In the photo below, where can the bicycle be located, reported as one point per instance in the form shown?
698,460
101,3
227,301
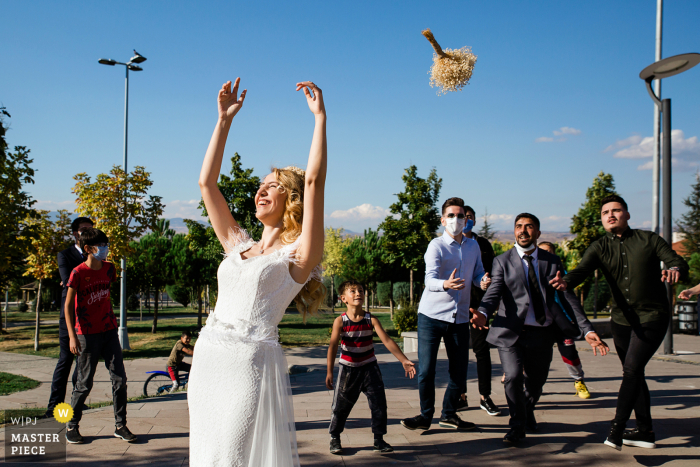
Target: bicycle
160,383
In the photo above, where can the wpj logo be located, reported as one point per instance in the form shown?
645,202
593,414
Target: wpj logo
31,440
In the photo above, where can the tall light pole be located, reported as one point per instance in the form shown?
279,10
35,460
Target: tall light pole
656,162
663,69
130,65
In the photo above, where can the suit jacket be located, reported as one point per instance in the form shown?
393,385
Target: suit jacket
487,256
68,259
508,293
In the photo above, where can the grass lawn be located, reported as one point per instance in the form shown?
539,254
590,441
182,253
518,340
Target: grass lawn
144,344
10,383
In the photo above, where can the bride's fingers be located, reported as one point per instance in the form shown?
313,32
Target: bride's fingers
308,94
235,86
242,98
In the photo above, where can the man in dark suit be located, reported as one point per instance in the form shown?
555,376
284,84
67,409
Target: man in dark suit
523,327
68,259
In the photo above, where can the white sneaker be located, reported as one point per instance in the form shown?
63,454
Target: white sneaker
174,388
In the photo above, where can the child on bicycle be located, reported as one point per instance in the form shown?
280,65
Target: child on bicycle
359,371
175,363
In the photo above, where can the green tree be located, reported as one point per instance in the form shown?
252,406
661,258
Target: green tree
119,205
689,224
413,222
50,238
205,254
486,230
239,190
586,224
333,257
362,261
15,206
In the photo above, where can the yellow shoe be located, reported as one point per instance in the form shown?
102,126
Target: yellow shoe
582,390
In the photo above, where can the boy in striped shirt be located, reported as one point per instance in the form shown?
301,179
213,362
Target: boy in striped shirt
359,371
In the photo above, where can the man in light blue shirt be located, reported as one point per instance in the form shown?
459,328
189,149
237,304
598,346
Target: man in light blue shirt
451,262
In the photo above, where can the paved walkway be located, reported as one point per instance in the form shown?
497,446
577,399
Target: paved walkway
571,429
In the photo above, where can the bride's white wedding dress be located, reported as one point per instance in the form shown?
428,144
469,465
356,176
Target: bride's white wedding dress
239,396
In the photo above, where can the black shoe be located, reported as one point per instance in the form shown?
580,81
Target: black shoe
531,423
462,404
514,436
456,423
639,439
382,446
73,436
614,439
125,434
416,423
336,447
490,408
85,407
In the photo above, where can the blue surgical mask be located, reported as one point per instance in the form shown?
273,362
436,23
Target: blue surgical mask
102,252
468,226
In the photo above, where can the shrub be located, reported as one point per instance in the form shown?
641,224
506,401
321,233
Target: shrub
23,306
132,302
406,318
401,291
179,293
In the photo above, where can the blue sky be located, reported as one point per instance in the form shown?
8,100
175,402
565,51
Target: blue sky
555,97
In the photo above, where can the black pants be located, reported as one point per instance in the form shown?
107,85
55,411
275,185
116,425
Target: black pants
482,353
532,352
103,345
62,371
635,345
351,381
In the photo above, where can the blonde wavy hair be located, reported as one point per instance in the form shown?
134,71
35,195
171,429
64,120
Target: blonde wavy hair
291,180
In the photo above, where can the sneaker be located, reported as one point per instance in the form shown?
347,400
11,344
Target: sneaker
382,446
531,422
490,408
514,436
416,423
456,423
614,439
639,439
125,434
462,404
582,390
174,388
73,436
336,447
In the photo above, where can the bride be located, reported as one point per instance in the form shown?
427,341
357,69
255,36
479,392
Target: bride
239,396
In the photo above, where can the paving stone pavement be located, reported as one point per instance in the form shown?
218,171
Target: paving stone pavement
571,429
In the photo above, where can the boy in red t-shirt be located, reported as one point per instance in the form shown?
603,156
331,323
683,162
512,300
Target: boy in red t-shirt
92,329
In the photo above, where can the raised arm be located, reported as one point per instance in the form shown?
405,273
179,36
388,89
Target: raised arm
310,251
219,214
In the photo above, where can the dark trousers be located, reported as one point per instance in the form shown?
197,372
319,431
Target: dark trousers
482,353
635,345
103,345
532,353
62,371
456,338
351,382
174,371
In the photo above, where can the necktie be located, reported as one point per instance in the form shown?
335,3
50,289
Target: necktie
535,291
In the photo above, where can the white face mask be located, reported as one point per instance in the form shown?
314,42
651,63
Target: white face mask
454,225
522,250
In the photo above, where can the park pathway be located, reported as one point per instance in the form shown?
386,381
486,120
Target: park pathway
571,429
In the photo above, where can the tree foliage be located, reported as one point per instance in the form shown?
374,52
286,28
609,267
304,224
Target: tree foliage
119,205
486,231
689,223
413,222
586,222
15,206
333,258
239,189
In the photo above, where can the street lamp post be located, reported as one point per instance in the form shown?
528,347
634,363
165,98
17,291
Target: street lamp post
130,65
658,70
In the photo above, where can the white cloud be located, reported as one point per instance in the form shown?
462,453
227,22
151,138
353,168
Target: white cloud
565,130
500,217
51,205
182,208
680,165
361,212
636,147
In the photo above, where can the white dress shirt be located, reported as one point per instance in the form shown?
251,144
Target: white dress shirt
444,255
530,319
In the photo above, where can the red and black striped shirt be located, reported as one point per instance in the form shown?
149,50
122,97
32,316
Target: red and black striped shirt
356,347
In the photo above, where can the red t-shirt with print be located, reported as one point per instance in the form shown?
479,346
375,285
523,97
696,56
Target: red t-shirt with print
93,308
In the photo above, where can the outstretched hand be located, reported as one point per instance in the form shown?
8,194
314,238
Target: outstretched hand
686,294
410,368
229,101
478,320
314,100
454,283
670,275
558,282
593,339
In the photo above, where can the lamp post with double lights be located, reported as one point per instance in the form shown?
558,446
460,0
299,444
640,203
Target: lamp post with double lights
658,70
133,66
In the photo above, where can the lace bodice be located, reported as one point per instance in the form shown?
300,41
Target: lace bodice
253,293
